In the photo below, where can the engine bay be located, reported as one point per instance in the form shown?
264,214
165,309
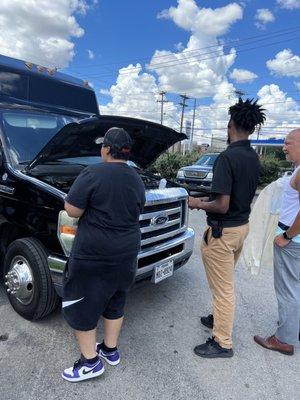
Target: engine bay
62,176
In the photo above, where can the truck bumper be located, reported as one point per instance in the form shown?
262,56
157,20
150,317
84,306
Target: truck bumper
195,185
178,249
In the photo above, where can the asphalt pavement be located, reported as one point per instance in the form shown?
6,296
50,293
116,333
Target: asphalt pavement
162,327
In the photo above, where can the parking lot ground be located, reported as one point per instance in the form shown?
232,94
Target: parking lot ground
162,327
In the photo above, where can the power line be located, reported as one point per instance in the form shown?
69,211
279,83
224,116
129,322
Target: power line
231,91
196,59
262,104
262,129
133,70
212,107
230,43
143,96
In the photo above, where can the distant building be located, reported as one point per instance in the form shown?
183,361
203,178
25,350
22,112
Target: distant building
261,145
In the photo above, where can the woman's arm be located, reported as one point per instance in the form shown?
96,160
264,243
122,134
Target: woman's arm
73,211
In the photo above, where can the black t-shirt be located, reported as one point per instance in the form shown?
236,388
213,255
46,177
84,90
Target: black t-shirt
236,173
113,196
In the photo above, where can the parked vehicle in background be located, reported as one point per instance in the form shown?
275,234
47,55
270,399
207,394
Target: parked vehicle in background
198,177
50,130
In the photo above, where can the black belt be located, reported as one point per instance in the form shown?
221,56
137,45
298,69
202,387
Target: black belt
282,226
225,224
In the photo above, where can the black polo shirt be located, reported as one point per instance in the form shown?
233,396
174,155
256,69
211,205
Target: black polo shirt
236,173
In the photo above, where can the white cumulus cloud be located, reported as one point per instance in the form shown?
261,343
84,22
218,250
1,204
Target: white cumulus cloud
199,73
212,22
285,63
91,54
243,75
40,31
179,46
192,70
135,94
262,17
289,4
283,112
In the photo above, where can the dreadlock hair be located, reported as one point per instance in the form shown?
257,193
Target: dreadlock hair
247,115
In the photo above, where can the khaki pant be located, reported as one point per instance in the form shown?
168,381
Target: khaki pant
219,258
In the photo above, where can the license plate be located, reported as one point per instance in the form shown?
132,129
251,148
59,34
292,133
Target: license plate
163,271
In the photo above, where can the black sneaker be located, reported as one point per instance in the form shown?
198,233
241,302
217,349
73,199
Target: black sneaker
212,349
208,321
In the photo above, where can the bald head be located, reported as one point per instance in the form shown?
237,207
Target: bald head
294,135
291,146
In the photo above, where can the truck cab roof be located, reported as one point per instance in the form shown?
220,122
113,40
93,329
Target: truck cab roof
27,83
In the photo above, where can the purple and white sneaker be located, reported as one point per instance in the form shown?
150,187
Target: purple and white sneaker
112,358
83,370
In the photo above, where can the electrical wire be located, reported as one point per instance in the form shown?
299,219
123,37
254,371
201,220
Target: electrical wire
228,44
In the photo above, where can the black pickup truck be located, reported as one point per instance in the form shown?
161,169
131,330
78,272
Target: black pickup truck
49,131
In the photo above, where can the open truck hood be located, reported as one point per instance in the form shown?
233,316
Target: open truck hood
77,139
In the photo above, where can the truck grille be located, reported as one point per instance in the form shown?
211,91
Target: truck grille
195,174
162,221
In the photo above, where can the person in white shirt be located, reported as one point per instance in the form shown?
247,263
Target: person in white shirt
287,258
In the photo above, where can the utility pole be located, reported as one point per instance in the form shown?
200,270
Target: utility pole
193,125
184,99
162,101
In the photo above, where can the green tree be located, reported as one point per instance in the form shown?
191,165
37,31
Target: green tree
168,164
270,170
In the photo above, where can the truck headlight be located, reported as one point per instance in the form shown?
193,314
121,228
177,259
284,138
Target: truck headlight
66,231
180,174
209,176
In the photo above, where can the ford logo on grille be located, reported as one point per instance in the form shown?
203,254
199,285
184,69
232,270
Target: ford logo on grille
160,219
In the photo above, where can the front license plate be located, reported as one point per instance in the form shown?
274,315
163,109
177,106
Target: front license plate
163,271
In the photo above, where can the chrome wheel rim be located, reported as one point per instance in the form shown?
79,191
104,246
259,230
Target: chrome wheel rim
19,280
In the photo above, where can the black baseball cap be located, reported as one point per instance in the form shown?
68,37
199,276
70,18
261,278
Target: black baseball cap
118,139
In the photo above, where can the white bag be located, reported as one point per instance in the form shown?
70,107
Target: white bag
258,246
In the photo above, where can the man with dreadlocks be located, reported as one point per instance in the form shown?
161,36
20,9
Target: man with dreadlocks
235,179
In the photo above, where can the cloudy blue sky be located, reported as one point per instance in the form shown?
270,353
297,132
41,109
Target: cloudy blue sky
131,50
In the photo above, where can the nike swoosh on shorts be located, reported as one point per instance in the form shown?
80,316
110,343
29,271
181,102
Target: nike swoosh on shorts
69,303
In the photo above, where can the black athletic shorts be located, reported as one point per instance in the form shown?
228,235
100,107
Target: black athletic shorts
92,288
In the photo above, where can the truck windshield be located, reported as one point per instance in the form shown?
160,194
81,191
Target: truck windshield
27,133
207,159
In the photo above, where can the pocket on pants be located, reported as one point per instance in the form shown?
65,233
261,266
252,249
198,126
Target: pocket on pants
206,237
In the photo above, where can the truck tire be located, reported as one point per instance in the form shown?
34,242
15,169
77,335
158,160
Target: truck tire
28,281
